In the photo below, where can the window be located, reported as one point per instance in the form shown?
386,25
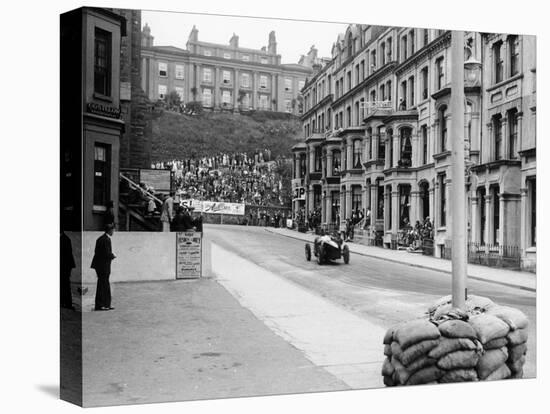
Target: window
264,102
316,196
226,97
439,73
497,134
389,203
404,205
532,188
389,49
356,198
424,144
357,73
245,80
357,151
362,70
335,198
207,52
349,80
288,105
226,76
442,200
101,174
207,75
426,35
411,91
381,144
498,63
425,83
513,133
102,62
383,92
162,91
163,69
288,84
348,116
388,89
179,71
245,100
263,60
443,129
245,58
411,37
513,47
380,207
373,60
263,82
403,101
226,55
405,159
482,214
179,91
383,54
404,50
496,214
370,144
318,158
336,162
207,97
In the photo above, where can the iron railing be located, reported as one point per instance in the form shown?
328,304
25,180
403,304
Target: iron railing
493,255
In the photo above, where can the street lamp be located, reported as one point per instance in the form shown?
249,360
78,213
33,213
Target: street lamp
472,70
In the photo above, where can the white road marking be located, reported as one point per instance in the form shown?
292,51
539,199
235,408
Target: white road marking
341,342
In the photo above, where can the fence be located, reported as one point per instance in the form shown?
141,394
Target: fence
493,255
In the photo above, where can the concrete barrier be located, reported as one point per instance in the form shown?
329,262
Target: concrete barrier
140,256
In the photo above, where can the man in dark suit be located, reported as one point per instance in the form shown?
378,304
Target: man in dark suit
103,255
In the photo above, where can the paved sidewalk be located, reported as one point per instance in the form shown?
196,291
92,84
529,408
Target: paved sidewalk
522,280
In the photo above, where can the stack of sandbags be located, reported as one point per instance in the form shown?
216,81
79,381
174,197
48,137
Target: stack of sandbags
406,348
483,342
458,351
516,338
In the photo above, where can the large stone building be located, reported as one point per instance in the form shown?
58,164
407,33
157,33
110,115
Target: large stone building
376,124
226,77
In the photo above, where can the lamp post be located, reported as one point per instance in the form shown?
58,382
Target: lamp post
458,196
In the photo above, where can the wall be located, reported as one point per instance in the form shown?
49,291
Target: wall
141,256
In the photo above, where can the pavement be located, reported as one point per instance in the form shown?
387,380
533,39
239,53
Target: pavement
505,277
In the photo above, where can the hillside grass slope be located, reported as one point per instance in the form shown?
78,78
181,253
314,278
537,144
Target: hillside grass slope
178,136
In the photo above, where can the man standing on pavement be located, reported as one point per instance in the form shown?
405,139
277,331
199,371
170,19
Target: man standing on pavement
103,255
167,212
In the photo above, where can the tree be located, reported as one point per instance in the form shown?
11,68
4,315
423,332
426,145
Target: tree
193,108
173,100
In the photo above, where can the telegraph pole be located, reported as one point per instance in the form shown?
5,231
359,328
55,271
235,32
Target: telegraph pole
458,196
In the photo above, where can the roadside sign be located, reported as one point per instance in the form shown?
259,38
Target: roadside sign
188,255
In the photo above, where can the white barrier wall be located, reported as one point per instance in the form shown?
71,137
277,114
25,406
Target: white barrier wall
140,256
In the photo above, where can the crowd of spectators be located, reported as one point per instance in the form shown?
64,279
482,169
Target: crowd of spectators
236,178
412,238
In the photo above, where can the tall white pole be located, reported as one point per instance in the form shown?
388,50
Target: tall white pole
458,196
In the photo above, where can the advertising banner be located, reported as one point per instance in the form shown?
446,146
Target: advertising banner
158,179
214,207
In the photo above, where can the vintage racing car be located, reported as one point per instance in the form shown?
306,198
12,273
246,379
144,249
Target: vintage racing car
327,248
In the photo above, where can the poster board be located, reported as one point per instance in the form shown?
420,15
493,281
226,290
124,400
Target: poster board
188,255
160,180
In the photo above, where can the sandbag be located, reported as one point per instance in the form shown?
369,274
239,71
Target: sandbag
387,368
515,318
517,374
388,381
440,302
425,375
502,372
516,352
420,363
458,359
457,329
388,337
400,375
442,310
459,375
480,302
496,343
387,350
415,351
488,327
415,331
491,361
396,350
517,365
518,336
448,345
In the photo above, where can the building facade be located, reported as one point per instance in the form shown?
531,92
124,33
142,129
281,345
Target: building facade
223,77
376,124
